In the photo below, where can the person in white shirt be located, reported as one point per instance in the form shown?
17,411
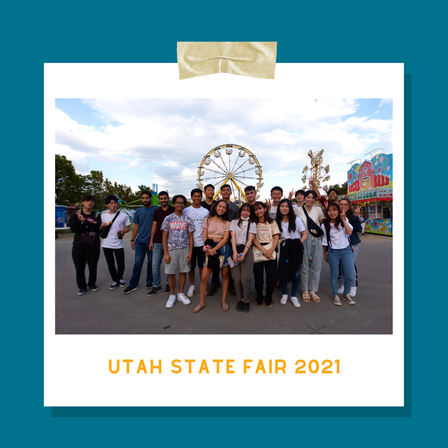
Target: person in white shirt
300,199
312,249
113,244
243,231
336,247
197,214
276,196
291,228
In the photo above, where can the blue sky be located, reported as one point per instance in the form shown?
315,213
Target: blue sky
146,141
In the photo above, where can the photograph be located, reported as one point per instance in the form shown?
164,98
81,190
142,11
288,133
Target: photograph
289,172
193,214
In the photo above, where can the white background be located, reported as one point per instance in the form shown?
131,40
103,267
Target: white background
77,367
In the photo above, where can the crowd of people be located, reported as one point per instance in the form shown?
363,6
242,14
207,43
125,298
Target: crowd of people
277,242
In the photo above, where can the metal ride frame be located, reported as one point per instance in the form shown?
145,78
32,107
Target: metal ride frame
316,172
229,172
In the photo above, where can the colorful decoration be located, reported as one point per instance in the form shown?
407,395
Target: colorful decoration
371,174
383,226
368,184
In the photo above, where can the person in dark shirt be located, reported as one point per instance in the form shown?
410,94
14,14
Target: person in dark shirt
141,235
209,192
226,192
155,243
251,195
86,243
332,194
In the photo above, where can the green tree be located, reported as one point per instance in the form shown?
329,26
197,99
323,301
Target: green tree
69,185
123,192
342,189
142,188
137,195
95,183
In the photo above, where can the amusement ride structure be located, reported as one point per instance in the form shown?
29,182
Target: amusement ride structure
316,171
230,164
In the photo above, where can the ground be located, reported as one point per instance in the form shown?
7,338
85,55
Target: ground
112,312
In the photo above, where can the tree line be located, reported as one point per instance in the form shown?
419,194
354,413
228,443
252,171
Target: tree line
342,189
70,186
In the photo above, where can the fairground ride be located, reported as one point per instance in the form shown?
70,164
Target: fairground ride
233,165
316,172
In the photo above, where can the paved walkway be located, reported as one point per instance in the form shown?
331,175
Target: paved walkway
112,312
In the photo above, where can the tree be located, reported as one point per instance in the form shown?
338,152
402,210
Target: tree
121,191
342,189
69,185
142,188
95,183
137,195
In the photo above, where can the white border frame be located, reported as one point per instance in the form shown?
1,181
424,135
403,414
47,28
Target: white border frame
76,367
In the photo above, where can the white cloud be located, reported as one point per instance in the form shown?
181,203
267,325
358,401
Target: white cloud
168,138
135,164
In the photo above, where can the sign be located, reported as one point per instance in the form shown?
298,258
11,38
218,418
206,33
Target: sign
379,194
371,175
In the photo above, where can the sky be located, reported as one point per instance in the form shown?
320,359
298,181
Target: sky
163,141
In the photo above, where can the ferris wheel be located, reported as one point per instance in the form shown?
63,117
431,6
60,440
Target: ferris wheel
230,164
